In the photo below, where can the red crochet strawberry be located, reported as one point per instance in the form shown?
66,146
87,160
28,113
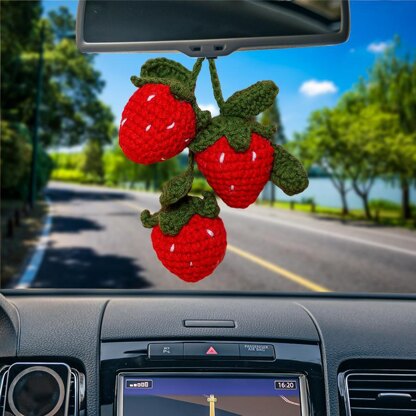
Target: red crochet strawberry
237,177
161,117
196,251
236,154
188,237
155,126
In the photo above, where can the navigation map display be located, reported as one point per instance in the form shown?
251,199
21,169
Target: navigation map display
216,395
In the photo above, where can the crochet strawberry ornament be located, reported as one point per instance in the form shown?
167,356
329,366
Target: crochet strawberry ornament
232,150
236,154
161,117
188,237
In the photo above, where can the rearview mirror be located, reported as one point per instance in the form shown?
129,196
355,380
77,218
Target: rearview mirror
209,27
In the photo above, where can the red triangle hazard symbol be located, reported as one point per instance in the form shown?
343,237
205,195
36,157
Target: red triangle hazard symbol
211,351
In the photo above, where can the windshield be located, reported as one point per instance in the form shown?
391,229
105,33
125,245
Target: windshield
71,200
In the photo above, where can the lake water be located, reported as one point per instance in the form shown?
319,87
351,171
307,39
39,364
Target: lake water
324,193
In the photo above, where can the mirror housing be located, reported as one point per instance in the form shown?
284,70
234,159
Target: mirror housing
209,28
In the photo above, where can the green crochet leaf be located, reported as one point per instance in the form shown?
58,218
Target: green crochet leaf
176,216
165,68
265,131
203,118
148,220
288,172
251,101
172,218
235,129
179,186
207,207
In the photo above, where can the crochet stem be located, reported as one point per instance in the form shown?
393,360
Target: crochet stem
191,160
216,86
195,72
179,186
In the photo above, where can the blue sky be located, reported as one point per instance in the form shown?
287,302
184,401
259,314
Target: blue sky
308,78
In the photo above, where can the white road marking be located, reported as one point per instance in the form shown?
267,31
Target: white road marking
390,235
331,234
35,262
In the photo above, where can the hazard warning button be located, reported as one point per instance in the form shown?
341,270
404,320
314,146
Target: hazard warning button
211,351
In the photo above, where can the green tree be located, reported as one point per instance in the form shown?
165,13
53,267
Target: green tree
16,153
323,144
71,84
19,28
271,117
71,111
368,134
118,169
121,171
99,133
392,85
93,166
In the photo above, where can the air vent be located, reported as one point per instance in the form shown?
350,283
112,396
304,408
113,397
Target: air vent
377,394
3,373
76,390
73,409
76,393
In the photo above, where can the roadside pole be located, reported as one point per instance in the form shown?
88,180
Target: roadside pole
35,138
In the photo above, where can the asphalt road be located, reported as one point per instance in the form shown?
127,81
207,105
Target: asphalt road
97,241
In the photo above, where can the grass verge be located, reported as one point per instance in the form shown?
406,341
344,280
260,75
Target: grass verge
386,217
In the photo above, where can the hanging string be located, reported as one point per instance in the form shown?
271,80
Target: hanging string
195,72
216,86
191,160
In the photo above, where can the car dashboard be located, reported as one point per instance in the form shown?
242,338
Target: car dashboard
202,353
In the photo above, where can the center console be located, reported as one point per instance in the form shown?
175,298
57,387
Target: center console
210,377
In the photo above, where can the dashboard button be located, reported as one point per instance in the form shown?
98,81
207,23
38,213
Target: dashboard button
257,351
165,351
211,351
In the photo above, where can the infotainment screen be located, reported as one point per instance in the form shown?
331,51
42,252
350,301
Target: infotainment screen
212,395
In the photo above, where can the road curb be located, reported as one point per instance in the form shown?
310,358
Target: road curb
35,261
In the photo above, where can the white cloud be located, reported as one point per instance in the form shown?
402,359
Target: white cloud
212,108
313,87
378,47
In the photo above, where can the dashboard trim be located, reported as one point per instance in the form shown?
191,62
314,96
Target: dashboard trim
132,293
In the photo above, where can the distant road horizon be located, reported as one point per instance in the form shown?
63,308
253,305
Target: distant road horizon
96,240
